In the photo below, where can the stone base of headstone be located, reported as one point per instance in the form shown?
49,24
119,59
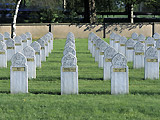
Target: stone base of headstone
3,60
19,79
106,70
69,80
151,70
31,69
119,81
100,61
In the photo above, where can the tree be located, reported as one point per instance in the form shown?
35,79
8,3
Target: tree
13,31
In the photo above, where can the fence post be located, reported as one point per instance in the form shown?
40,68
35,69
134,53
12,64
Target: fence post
153,27
50,27
104,29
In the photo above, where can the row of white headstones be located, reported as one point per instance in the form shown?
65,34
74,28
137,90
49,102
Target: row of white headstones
143,52
114,63
69,68
25,60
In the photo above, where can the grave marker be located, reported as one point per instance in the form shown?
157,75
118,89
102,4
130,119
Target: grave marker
108,55
69,75
24,40
29,38
10,48
149,42
122,44
112,38
69,50
18,44
116,42
43,53
3,55
151,64
37,47
134,36
29,53
18,74
129,49
1,37
138,56
119,75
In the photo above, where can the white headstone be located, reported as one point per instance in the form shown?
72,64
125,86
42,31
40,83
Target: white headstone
116,42
29,53
112,37
69,50
151,64
18,44
102,47
141,38
46,46
51,39
134,36
43,53
122,43
119,75
29,38
129,49
1,37
10,48
156,37
3,55
108,55
149,42
18,74
158,48
69,74
94,46
6,36
70,35
69,44
48,37
138,56
98,42
89,40
24,40
37,47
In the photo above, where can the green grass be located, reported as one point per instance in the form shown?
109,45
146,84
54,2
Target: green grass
94,102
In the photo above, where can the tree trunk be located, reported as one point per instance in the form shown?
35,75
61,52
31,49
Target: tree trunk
92,11
13,28
87,12
130,13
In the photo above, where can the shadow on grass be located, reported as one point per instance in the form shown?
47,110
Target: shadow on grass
4,78
96,92
83,78
144,93
7,92
45,92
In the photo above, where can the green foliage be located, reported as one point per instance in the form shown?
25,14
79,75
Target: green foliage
94,101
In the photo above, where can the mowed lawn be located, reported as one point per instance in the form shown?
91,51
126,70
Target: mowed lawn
94,102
